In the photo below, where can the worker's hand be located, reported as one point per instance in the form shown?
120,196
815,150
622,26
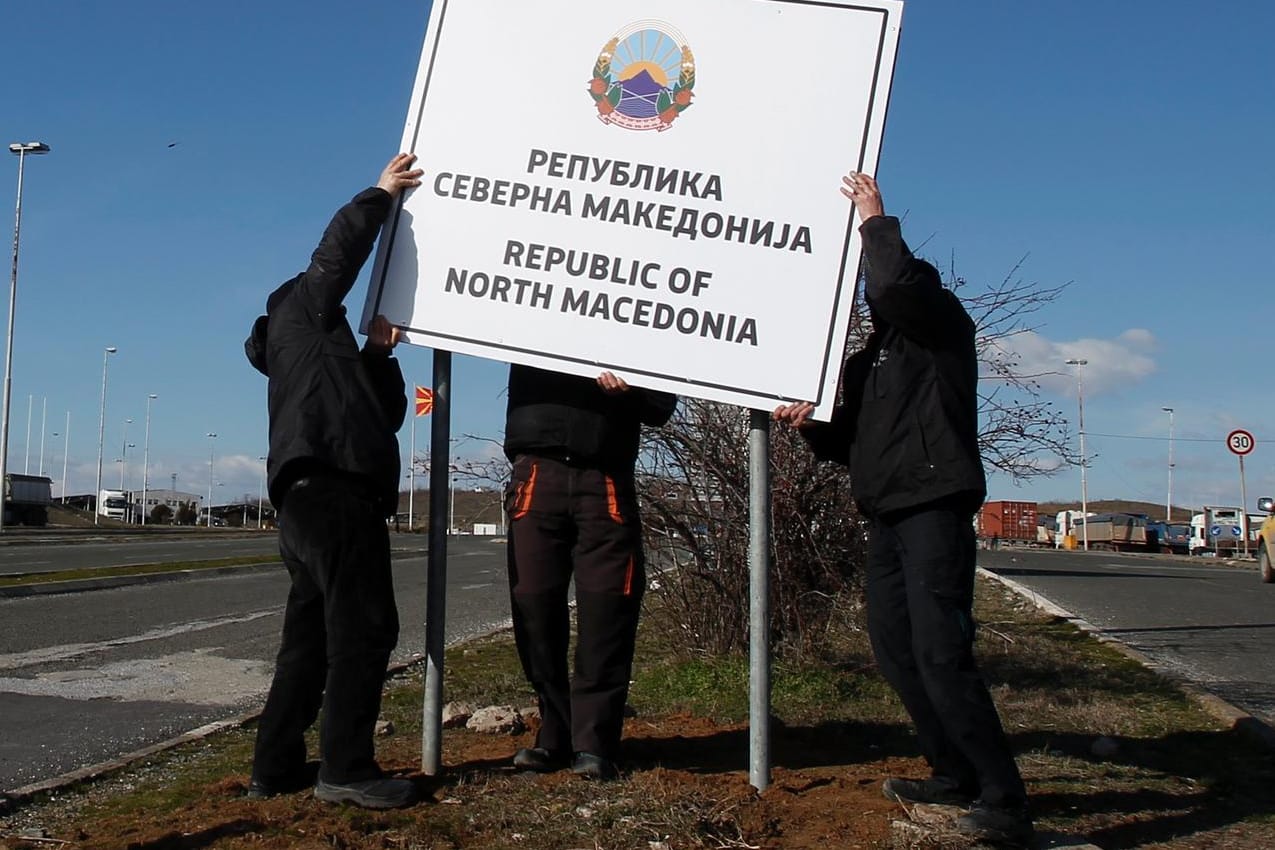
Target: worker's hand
400,175
611,385
382,336
795,415
863,191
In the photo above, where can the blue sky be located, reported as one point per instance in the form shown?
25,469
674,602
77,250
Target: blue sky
199,149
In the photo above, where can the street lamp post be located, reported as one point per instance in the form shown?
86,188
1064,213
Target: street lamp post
211,436
21,149
146,454
124,451
1084,485
44,416
1168,499
66,451
261,486
26,456
101,433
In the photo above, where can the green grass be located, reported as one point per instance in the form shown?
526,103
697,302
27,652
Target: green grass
23,579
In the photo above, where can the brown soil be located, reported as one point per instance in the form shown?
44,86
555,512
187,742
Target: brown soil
686,785
678,766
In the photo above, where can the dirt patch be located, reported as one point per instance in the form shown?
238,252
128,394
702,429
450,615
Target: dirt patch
686,785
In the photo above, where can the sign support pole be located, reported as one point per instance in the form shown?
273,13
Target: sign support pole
1244,509
759,600
411,467
436,581
1241,442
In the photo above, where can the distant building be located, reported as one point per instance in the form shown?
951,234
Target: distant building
169,498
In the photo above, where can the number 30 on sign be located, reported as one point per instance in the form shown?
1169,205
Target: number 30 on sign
1240,442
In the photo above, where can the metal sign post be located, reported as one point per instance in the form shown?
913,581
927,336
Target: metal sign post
1241,442
759,601
1244,510
436,582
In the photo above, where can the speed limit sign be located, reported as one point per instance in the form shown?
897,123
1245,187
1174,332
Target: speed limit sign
1240,442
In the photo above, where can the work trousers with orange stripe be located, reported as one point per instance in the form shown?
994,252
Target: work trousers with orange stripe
565,521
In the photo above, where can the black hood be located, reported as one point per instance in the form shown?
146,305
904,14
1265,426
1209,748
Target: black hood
255,345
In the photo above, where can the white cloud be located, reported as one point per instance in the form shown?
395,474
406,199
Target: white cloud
1113,364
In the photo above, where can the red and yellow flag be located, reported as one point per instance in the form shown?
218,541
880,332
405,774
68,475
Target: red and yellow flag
424,401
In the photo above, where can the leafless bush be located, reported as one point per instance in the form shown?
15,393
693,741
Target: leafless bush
695,489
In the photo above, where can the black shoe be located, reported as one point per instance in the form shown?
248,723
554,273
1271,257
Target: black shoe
1010,824
261,788
539,760
383,793
939,792
594,767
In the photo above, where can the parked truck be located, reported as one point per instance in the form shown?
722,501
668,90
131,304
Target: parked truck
113,504
1118,532
1007,521
1069,529
27,499
1218,531
1168,537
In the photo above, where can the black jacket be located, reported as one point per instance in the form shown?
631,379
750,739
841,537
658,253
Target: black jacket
907,423
570,418
332,407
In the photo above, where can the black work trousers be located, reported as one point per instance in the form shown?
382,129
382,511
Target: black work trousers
920,597
567,521
339,628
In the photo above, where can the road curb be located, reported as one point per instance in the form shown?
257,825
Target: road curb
19,796
80,585
1238,718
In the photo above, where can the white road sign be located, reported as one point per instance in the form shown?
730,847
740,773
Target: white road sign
646,187
1240,442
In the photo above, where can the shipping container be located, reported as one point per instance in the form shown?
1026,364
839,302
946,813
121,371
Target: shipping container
1007,520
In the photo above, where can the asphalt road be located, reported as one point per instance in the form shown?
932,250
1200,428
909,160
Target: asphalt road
1202,620
86,551
86,677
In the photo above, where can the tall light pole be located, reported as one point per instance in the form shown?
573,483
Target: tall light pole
26,454
1168,500
261,486
124,451
1084,462
66,453
21,149
211,437
146,454
101,433
44,416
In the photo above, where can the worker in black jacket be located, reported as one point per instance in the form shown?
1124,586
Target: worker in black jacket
907,426
333,478
573,508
